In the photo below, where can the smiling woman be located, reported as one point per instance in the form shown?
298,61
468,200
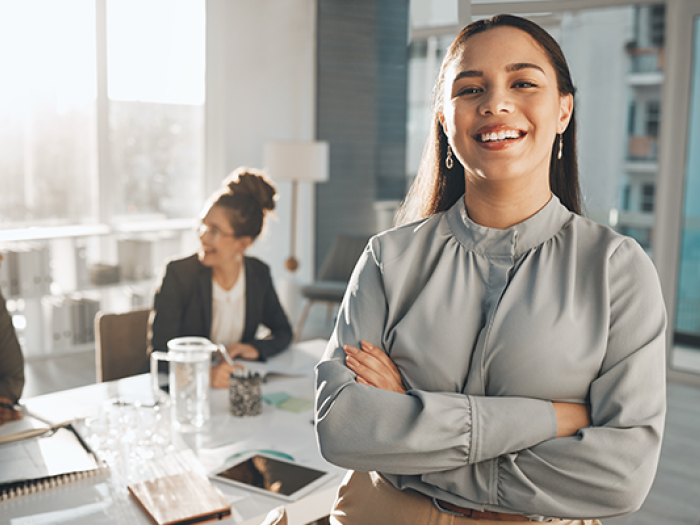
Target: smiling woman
488,96
220,293
501,358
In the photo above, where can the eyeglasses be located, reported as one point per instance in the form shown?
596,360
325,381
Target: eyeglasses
215,233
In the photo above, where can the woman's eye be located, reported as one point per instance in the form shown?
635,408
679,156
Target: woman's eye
469,90
524,84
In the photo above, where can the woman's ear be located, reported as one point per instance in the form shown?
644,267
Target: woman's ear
441,118
566,108
245,241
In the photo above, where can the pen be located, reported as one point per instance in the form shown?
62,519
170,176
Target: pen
12,406
224,354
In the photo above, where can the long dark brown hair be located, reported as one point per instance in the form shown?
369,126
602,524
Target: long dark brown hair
437,188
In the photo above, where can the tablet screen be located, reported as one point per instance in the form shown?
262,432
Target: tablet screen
274,475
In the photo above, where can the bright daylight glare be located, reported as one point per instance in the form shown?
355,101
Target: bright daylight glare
47,52
150,61
49,56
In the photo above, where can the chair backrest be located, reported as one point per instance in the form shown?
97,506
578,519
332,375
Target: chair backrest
121,342
342,257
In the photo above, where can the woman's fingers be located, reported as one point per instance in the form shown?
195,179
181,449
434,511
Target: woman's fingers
355,360
243,350
373,367
221,373
378,354
388,369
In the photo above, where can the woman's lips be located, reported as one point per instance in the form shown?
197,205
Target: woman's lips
498,137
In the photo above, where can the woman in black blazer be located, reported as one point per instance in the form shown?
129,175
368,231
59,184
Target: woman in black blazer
204,294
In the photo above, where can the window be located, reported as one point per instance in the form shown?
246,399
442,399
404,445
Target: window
657,22
49,119
418,49
155,58
47,112
647,203
632,118
653,118
626,197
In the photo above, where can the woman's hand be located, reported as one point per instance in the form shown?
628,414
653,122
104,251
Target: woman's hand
373,367
220,373
571,417
8,414
243,350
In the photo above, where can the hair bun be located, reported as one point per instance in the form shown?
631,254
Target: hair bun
248,182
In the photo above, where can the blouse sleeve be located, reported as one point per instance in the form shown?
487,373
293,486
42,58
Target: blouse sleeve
168,308
606,469
276,320
417,433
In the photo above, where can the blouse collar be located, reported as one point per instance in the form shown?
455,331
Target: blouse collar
513,241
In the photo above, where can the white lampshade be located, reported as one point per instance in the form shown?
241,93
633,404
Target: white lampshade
303,161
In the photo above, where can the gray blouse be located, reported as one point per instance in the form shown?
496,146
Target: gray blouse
488,327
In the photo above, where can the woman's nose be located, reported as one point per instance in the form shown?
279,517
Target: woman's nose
496,101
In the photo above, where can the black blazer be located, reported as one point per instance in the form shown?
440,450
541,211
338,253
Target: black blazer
182,306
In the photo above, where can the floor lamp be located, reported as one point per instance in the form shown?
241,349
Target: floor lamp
296,161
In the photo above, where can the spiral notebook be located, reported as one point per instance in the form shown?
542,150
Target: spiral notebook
56,457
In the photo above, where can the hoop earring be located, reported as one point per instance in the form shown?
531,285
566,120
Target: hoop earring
561,146
449,163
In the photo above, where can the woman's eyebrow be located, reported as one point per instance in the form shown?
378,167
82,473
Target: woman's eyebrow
523,65
468,74
518,66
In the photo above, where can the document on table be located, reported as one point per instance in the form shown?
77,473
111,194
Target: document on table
284,364
40,462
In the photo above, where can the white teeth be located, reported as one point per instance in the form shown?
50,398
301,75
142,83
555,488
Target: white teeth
501,135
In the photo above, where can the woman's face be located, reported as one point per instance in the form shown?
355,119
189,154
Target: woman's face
219,246
502,108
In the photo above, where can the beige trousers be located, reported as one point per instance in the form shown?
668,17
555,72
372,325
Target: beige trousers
365,498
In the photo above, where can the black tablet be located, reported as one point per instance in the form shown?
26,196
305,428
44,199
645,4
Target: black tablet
271,475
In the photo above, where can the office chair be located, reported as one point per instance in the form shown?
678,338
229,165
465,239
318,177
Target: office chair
121,341
333,276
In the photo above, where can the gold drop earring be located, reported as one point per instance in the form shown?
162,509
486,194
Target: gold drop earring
561,146
449,163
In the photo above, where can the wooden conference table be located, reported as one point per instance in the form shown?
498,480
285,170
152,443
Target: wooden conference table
104,499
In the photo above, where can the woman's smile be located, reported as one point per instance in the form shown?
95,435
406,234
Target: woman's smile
503,108
498,136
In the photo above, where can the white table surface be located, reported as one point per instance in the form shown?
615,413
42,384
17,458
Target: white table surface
104,499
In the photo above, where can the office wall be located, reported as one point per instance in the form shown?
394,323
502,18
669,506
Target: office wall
260,87
361,111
